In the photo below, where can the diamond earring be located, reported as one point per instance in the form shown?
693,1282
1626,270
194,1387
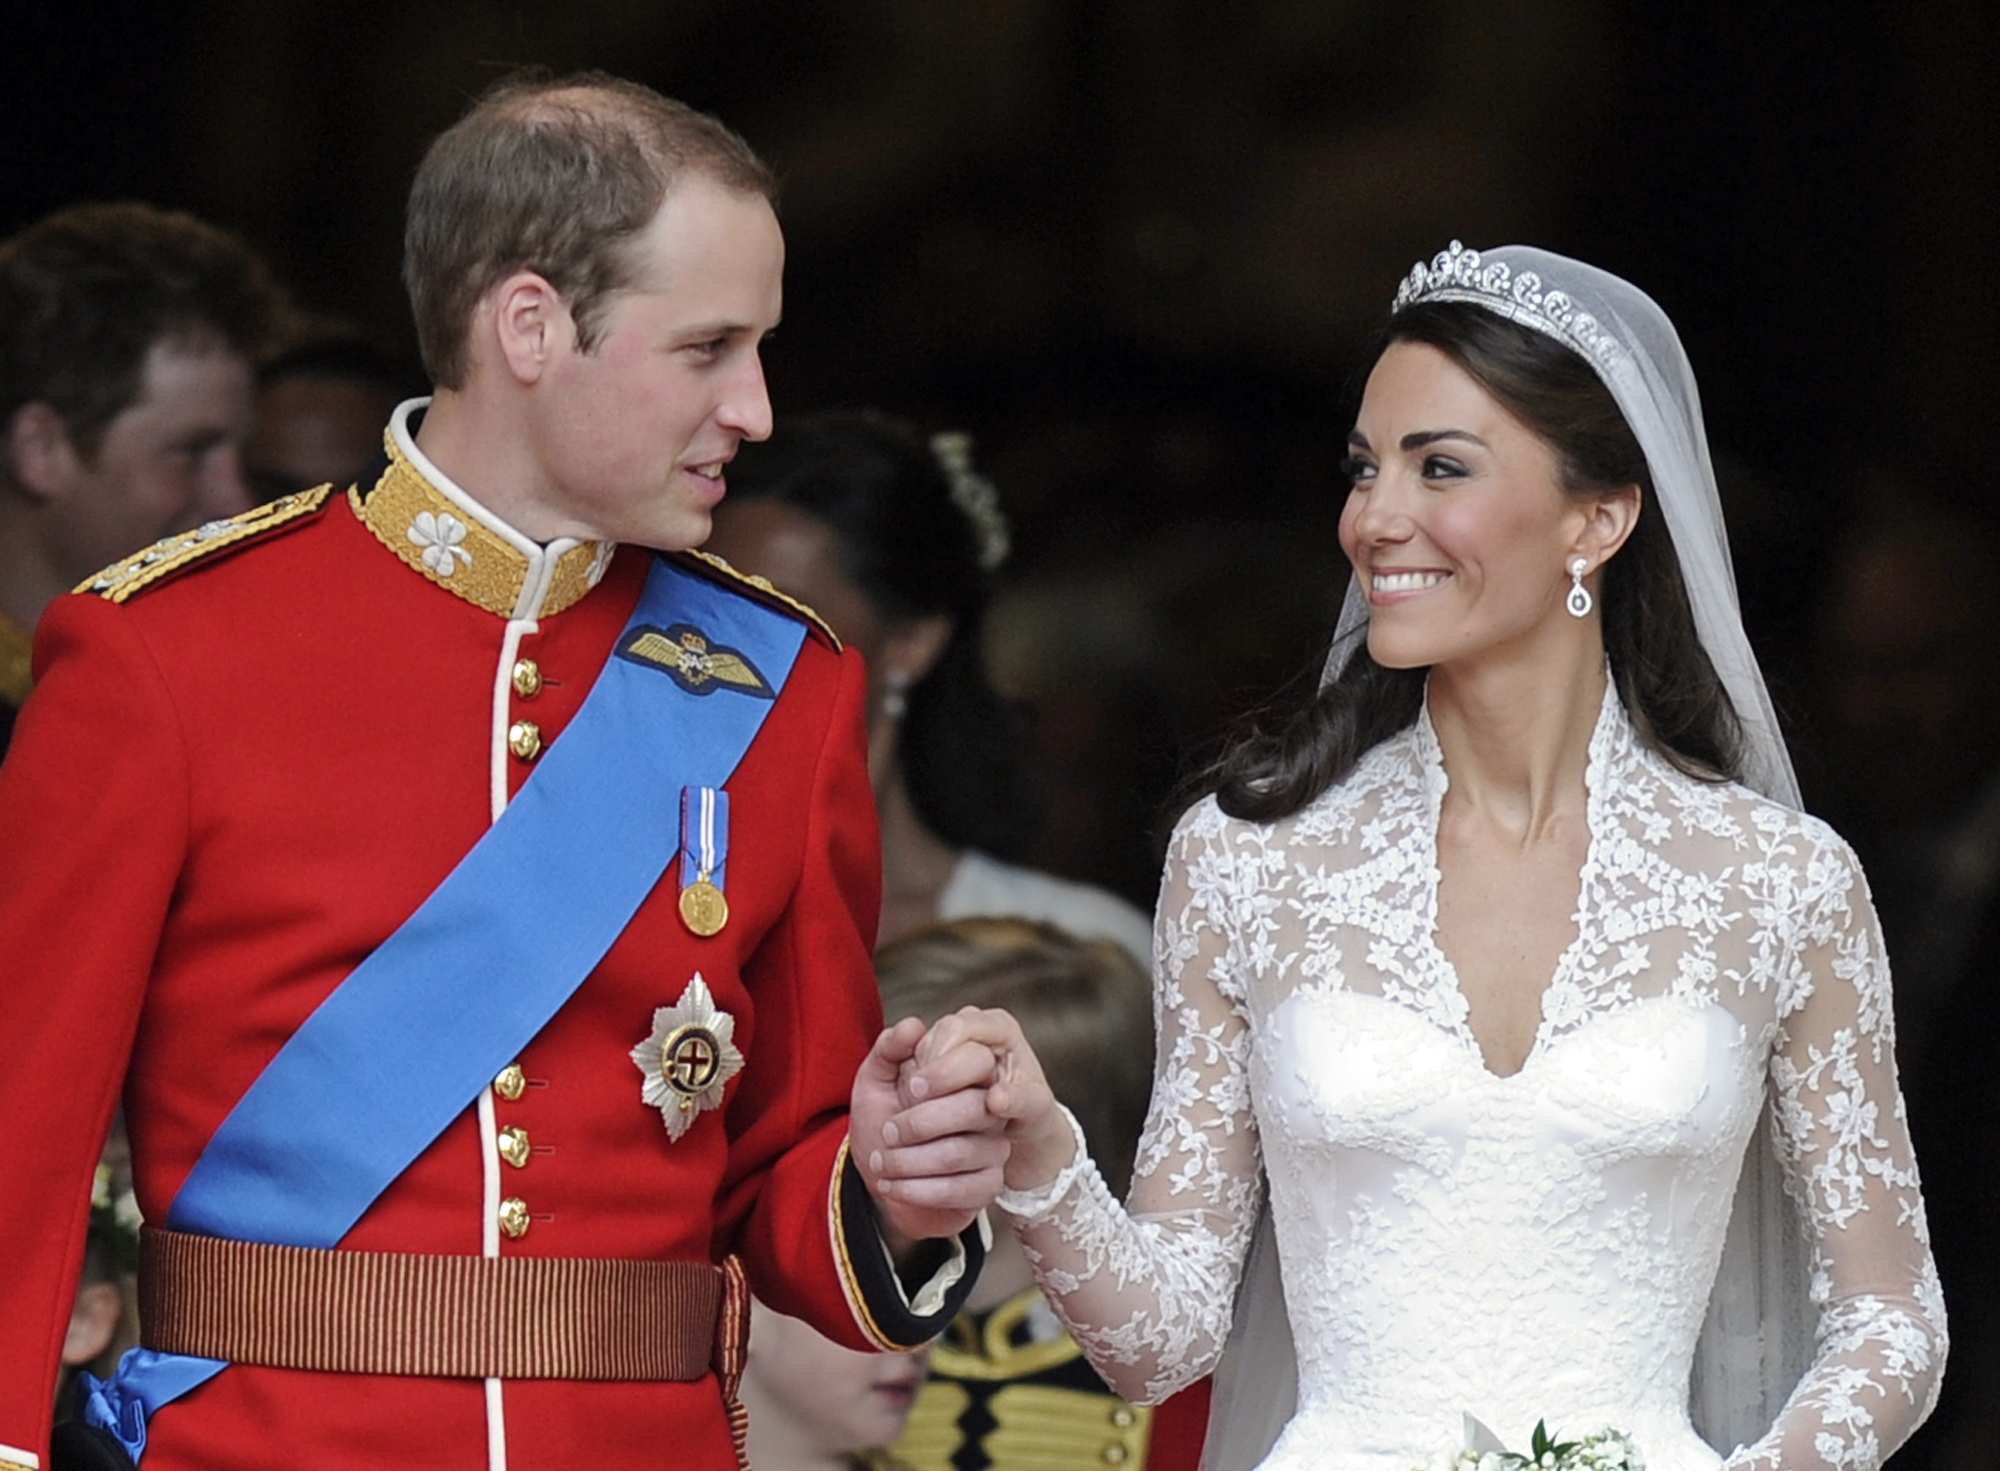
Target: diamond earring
895,699
1579,601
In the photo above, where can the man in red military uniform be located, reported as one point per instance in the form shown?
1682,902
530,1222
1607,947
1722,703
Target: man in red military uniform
262,768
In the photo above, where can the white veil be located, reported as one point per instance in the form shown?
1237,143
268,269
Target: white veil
1758,1335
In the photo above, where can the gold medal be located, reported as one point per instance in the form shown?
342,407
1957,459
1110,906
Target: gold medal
704,851
703,908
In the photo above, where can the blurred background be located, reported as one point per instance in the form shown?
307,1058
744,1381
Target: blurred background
1136,247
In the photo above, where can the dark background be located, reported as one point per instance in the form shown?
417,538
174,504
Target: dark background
1002,207
1136,247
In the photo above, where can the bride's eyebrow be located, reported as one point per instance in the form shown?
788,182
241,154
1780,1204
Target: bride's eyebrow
1422,437
1432,436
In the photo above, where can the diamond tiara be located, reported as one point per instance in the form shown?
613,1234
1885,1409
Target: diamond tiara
1458,274
974,495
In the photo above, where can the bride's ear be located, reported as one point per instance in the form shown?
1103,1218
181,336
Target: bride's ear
1607,523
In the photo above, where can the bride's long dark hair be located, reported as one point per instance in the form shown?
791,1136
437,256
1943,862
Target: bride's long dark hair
1662,673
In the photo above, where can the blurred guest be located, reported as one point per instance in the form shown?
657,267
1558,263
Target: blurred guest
893,538
127,339
321,405
100,1326
816,1406
1907,665
1010,1389
93,1321
1135,654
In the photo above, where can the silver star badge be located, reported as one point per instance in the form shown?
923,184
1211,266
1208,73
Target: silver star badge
690,1056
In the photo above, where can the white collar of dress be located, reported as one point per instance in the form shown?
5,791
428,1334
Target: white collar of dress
1614,745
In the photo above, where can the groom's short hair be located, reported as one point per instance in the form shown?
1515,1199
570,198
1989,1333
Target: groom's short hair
558,175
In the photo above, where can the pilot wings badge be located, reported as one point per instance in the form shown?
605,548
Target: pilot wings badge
698,666
689,1057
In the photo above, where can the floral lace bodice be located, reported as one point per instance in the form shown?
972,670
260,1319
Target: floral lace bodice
1540,1245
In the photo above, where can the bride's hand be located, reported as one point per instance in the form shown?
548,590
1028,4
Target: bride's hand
921,1135
1039,1137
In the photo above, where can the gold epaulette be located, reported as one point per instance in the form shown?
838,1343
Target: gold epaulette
17,669
164,558
761,589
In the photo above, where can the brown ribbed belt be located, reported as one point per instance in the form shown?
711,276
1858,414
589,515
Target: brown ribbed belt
457,1317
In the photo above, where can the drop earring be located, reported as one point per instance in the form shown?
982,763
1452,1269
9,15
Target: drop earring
1579,601
895,699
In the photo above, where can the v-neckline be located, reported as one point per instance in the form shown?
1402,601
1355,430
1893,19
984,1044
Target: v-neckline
1437,781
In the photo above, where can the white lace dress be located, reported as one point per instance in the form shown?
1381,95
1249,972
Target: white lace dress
1540,1245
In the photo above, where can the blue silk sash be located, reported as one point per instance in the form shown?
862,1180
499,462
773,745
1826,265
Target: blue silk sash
421,1026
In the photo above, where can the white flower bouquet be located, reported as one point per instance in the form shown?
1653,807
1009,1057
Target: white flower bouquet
1602,1450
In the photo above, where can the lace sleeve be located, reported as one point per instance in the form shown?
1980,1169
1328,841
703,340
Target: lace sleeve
1147,1290
1841,1136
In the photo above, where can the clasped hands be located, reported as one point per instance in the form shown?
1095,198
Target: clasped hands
944,1117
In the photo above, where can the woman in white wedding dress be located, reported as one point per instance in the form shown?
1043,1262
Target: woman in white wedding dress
1490,967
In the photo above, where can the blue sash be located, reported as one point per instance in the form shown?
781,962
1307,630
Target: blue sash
421,1026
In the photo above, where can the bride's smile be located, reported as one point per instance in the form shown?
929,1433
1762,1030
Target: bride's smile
1457,519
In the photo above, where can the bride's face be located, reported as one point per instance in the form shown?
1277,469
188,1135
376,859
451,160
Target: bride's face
1456,524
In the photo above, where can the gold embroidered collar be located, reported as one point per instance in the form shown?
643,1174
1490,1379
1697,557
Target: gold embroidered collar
976,1348
17,677
440,531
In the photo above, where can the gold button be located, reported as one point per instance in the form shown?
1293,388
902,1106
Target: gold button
511,1083
513,1144
1122,1416
1113,1454
527,678
514,1217
524,739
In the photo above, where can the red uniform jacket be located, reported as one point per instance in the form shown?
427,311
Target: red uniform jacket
231,787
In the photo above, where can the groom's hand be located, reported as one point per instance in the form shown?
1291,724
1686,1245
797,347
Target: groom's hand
927,1146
